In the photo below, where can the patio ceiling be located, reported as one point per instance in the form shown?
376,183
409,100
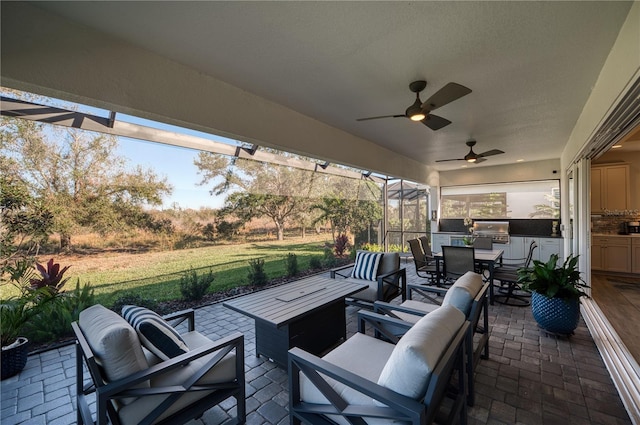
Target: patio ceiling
531,65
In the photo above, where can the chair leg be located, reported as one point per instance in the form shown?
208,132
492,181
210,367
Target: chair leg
512,298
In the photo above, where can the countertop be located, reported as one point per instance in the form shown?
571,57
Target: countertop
513,235
615,235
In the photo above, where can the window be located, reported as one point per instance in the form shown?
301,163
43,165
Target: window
537,199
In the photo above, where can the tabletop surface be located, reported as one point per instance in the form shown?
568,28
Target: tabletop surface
285,303
482,254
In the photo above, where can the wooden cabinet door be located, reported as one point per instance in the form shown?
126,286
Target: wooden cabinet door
617,256
596,189
616,187
635,256
596,254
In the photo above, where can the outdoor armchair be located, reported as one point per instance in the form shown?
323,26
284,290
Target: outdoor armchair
380,271
133,385
468,294
367,380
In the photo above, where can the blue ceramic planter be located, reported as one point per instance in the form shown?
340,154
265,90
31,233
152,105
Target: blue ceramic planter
555,315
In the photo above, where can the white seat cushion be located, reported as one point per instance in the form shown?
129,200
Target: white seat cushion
361,354
409,368
224,371
415,305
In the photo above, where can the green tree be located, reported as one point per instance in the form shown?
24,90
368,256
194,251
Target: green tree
256,189
79,177
24,222
350,206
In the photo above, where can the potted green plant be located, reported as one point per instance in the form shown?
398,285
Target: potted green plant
555,293
16,311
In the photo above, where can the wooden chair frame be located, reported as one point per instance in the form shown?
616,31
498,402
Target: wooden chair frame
107,392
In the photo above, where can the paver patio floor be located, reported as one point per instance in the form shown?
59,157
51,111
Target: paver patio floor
530,377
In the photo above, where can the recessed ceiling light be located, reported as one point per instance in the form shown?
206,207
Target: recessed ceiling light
520,160
616,146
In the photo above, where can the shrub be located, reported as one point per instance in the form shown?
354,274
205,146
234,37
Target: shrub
315,262
257,276
341,245
50,277
329,260
292,264
134,299
372,247
194,287
54,319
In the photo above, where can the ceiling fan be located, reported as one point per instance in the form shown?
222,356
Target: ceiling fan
473,157
421,111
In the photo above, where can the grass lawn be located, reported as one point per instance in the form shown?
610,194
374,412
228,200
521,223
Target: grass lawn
156,275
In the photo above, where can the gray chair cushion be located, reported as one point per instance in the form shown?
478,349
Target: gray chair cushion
409,368
390,262
463,291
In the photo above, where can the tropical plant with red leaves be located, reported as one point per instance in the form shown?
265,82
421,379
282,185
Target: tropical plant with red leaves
51,277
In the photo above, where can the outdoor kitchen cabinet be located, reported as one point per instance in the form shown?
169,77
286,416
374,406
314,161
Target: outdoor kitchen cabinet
610,187
635,256
438,241
518,247
611,253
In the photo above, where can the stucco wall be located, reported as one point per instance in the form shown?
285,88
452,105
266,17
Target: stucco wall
524,171
619,71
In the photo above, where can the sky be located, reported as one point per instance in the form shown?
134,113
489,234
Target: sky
176,164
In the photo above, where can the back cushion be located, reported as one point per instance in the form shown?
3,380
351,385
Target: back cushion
154,332
113,341
463,291
366,266
390,262
409,367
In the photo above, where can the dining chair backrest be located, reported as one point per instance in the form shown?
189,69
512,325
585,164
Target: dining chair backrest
416,251
458,260
483,242
532,248
426,247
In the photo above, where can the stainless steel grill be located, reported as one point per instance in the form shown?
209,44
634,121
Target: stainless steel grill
497,230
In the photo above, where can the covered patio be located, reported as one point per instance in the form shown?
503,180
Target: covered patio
529,378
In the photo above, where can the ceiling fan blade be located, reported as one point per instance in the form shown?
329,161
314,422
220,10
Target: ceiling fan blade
491,152
447,94
479,160
435,122
446,160
381,116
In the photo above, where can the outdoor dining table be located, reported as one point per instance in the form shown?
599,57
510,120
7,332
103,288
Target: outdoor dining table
308,313
485,258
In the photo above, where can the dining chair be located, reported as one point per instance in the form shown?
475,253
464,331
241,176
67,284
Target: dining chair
457,261
509,292
483,242
424,266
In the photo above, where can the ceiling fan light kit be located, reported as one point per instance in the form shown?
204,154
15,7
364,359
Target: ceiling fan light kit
472,157
421,111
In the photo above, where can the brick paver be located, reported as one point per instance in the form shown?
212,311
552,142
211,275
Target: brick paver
530,377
